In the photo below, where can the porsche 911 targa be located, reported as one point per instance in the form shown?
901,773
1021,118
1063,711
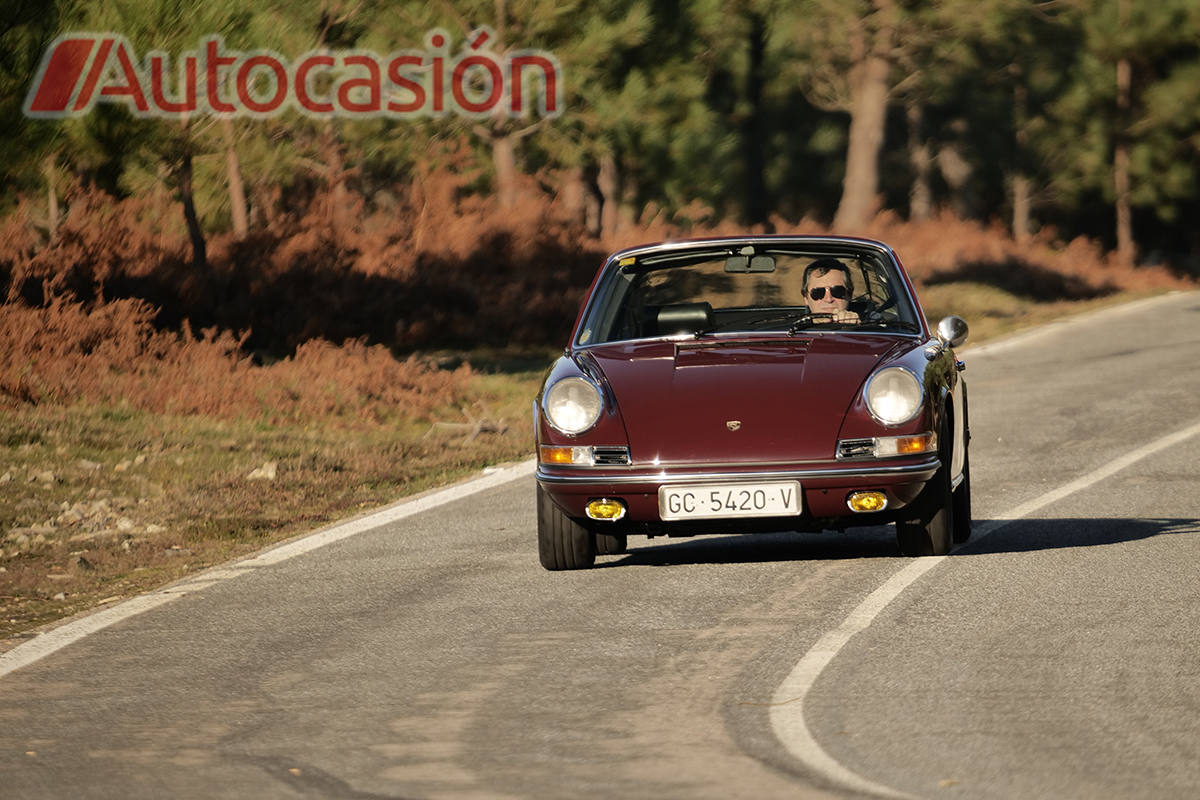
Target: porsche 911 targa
740,385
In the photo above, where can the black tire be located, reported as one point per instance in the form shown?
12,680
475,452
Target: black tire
931,531
562,542
610,544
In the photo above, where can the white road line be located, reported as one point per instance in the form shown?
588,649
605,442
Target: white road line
789,727
57,638
787,704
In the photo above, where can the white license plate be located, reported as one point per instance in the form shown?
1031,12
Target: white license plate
711,501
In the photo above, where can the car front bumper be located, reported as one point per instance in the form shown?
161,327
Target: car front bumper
825,488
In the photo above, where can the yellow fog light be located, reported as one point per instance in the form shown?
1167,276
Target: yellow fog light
862,502
606,509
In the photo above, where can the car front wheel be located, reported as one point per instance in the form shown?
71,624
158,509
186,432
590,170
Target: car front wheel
931,531
562,542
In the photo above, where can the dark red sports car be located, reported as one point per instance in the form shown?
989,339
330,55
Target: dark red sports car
752,384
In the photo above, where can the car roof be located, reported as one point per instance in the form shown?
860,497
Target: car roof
774,239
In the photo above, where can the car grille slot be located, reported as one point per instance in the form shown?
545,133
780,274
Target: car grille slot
610,456
856,448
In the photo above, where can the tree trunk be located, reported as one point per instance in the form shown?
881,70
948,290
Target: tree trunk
593,206
52,210
186,197
1126,249
629,209
920,196
868,115
956,171
504,160
1022,204
237,188
573,195
755,206
1021,224
339,197
608,183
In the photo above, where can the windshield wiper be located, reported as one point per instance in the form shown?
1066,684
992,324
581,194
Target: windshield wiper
799,317
890,324
802,317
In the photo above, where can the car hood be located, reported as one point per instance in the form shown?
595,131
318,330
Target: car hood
725,401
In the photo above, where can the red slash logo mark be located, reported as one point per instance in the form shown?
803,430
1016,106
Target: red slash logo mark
51,93
65,75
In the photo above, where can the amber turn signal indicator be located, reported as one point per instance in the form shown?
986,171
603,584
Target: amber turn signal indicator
906,445
556,455
915,444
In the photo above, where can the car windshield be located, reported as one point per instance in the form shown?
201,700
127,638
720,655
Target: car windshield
716,290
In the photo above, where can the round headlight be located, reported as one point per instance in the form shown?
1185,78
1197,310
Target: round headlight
893,395
572,405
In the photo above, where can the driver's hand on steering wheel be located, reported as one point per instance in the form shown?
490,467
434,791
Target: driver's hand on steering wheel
847,317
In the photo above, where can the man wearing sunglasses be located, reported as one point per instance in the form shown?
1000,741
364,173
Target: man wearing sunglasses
827,290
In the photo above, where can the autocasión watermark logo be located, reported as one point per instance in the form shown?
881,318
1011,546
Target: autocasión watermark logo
79,70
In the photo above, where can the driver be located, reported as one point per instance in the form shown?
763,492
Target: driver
827,289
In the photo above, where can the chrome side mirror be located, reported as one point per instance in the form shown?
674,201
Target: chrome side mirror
951,332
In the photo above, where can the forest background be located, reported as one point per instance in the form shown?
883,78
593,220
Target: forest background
215,333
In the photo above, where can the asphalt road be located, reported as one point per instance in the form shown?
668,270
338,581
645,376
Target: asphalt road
1057,656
